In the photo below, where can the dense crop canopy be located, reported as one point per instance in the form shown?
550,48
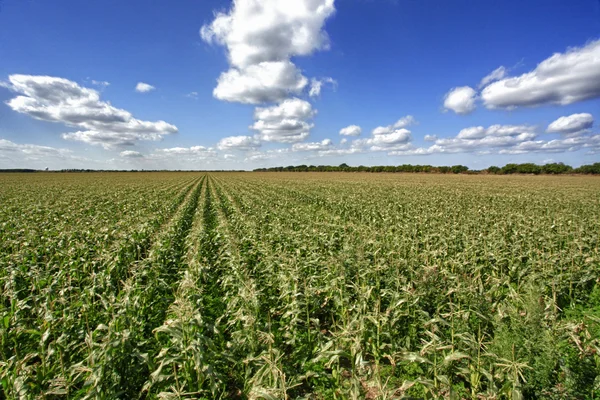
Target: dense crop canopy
299,286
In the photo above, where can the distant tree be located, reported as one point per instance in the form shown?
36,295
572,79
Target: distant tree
556,168
525,168
528,168
589,169
509,169
459,169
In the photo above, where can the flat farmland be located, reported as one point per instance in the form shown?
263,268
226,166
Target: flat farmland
299,286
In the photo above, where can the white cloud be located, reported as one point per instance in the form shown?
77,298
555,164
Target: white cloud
461,100
502,139
411,151
14,155
495,75
382,130
286,122
131,154
478,138
405,122
351,130
343,141
32,151
238,143
572,125
341,152
142,87
475,132
61,100
270,30
314,146
383,139
185,153
284,131
261,38
267,81
317,84
192,95
400,124
266,155
479,132
288,109
495,139
388,140
509,130
556,146
563,78
100,83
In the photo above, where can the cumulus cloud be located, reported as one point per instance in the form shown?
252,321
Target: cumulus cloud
238,143
405,122
351,130
572,125
15,155
131,154
270,30
400,124
479,132
32,151
495,75
185,153
268,81
142,87
563,78
474,132
592,143
384,138
260,39
286,122
478,139
61,100
502,139
388,140
314,146
266,155
341,151
317,84
461,100
494,139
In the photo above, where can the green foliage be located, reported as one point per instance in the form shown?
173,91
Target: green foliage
300,286
508,169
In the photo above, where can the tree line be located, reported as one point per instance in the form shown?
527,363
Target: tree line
526,168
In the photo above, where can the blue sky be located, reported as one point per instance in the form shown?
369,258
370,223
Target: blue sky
247,83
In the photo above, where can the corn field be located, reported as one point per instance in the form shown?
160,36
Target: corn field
299,286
